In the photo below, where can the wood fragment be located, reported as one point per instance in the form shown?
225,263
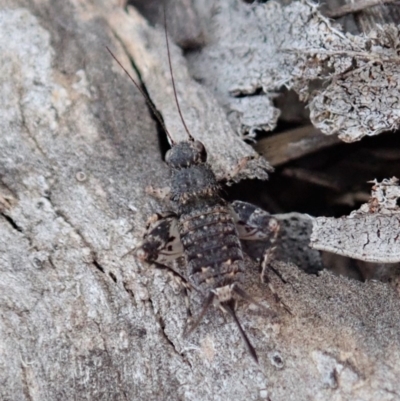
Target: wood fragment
313,177
370,233
255,50
360,5
291,145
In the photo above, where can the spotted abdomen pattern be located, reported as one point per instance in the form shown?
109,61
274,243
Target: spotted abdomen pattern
212,247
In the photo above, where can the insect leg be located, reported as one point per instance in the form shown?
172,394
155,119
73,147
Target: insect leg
229,306
159,193
162,244
206,304
182,282
244,295
254,223
265,267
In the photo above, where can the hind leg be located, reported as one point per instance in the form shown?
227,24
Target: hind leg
161,244
255,224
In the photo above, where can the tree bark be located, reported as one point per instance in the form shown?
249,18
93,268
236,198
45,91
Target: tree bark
81,321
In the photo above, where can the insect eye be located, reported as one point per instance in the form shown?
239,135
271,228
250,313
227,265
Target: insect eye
201,151
168,156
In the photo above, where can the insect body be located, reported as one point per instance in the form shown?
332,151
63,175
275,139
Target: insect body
206,226
202,228
205,230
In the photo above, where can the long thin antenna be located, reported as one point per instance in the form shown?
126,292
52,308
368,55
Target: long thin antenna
172,77
146,97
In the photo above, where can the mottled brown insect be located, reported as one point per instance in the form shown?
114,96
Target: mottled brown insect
206,230
203,227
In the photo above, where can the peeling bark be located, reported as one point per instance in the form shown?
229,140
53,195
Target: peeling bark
370,233
350,82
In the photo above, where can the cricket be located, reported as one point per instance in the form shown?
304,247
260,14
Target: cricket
202,228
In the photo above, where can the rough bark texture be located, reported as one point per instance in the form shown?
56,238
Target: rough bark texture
370,233
78,321
350,82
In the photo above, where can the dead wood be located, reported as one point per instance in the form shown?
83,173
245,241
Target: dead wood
370,233
293,144
349,81
77,320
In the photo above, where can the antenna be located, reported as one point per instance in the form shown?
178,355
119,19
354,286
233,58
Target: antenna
146,97
172,78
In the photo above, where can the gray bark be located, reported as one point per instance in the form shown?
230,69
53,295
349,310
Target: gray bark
78,321
350,81
370,233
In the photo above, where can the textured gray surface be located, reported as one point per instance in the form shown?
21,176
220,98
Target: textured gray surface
350,82
203,115
78,321
370,233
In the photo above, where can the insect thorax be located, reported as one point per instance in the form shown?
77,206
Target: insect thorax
193,186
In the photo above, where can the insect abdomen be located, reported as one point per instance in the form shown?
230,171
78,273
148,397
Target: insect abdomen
212,247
